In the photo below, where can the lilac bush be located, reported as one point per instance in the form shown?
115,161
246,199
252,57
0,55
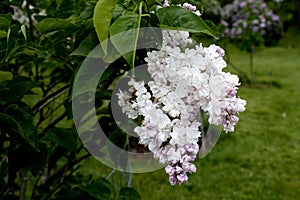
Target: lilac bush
249,24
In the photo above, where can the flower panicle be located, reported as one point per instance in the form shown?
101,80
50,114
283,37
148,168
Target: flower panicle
183,82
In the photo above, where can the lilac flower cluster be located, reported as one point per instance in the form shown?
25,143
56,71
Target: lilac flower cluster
188,6
184,80
249,20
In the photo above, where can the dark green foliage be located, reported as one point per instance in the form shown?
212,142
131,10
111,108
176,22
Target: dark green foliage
41,51
128,194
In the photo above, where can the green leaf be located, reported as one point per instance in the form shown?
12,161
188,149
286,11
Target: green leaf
104,95
118,11
178,18
64,137
57,37
19,125
123,36
118,138
51,24
12,37
88,74
15,89
15,43
100,189
18,90
18,79
127,193
7,16
23,29
86,46
103,14
58,3
8,122
26,122
158,2
3,34
86,15
5,76
4,23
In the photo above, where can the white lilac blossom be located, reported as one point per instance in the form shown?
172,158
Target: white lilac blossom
184,81
191,8
188,6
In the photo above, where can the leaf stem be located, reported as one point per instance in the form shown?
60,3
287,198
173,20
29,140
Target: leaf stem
137,35
145,15
29,15
110,174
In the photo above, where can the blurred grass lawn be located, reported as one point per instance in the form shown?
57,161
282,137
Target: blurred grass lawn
261,159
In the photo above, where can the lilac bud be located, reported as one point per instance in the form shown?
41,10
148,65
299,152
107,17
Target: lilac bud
189,6
221,52
189,167
181,178
189,147
186,158
192,148
178,169
172,180
181,150
234,118
231,93
170,170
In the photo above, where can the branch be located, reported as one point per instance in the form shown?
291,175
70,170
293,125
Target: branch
65,168
239,71
52,124
47,99
59,184
236,68
49,112
24,180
